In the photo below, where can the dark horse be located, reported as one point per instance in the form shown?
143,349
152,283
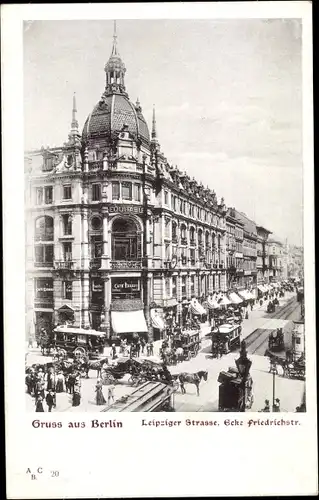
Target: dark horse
192,378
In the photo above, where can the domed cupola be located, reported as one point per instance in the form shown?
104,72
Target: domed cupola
114,109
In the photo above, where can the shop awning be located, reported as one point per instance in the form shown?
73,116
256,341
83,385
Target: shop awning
128,322
223,301
252,295
244,294
156,320
197,308
212,303
234,298
261,288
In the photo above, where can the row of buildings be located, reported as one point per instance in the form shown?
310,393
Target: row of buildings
117,238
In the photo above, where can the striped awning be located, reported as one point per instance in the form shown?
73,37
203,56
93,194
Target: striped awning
212,303
156,320
197,308
234,298
244,294
224,301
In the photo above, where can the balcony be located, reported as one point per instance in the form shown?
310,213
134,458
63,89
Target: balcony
184,261
192,243
193,262
64,265
184,241
95,165
95,263
122,265
174,239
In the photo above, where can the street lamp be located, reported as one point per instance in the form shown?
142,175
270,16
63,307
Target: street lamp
243,365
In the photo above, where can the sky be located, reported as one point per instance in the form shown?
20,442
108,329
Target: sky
227,94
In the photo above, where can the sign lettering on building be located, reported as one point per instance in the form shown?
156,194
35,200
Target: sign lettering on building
129,287
126,209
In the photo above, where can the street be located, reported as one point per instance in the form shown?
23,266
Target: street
255,330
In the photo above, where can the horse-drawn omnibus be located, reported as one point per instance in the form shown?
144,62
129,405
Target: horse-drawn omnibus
189,341
225,338
69,340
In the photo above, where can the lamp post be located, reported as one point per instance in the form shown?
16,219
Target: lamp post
243,365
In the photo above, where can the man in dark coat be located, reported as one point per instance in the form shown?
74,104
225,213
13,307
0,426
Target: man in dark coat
50,400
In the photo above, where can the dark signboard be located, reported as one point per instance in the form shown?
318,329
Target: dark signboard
126,288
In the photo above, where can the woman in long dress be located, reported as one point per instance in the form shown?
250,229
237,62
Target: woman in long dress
99,398
76,399
39,404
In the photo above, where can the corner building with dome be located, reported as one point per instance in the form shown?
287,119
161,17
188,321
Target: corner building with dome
117,239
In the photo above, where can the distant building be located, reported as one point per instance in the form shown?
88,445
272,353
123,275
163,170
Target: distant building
262,255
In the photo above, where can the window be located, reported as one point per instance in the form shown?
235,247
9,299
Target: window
67,251
96,223
192,284
44,228
137,192
115,190
183,231
167,252
48,163
44,254
43,288
183,286
67,290
126,190
192,256
167,287
192,234
166,197
48,195
126,240
96,192
173,202
174,286
39,196
67,225
96,246
67,192
174,230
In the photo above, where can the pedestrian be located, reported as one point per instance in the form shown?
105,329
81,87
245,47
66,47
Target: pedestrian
267,406
50,379
50,400
148,351
246,315
60,382
151,349
76,398
251,306
110,394
143,343
30,342
113,351
138,348
99,398
276,405
39,404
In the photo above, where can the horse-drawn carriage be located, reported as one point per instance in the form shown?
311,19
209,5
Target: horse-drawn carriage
78,342
291,368
140,371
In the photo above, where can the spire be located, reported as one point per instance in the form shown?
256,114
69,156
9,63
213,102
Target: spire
154,133
74,123
154,140
114,48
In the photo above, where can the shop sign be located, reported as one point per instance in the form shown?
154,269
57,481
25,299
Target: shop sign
125,285
126,209
97,286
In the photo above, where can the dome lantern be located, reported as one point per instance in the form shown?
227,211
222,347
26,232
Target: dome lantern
115,70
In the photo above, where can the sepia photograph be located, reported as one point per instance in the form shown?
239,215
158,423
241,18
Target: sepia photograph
164,238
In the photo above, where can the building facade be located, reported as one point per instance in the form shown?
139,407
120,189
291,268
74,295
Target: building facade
262,255
249,245
276,259
113,228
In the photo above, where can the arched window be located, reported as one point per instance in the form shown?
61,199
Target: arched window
200,236
44,228
174,230
183,231
126,240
